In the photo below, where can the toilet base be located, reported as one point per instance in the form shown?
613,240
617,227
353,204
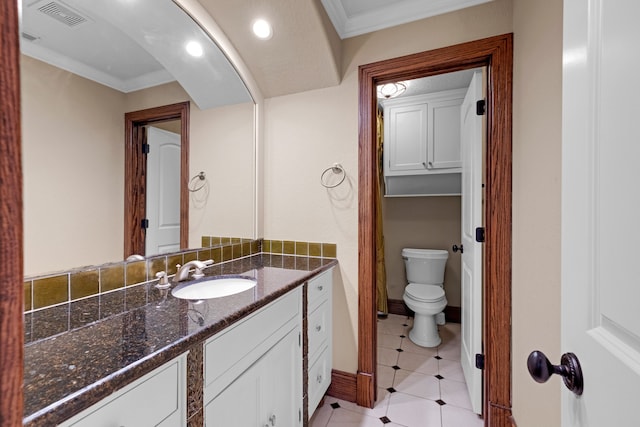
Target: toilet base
425,331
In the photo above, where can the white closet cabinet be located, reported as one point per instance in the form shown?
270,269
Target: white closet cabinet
253,369
319,333
156,399
421,153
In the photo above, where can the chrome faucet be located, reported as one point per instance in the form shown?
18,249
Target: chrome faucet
183,271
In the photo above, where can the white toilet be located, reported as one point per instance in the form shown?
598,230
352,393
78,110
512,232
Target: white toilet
425,294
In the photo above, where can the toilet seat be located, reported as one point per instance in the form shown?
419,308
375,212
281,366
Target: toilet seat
424,293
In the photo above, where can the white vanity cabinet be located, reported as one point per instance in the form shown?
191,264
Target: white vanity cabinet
156,399
421,153
319,333
253,369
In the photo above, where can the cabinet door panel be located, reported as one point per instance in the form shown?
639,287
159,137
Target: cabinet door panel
157,399
282,382
444,134
238,404
407,137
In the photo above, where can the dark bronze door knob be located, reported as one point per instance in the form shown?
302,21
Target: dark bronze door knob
456,248
569,369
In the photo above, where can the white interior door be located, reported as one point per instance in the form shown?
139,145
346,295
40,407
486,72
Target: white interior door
163,192
601,210
471,280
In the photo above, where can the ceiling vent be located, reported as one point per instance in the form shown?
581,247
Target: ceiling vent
29,37
62,13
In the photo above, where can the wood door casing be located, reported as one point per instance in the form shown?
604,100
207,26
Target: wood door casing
496,53
135,173
11,225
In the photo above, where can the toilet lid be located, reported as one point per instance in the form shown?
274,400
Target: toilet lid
426,293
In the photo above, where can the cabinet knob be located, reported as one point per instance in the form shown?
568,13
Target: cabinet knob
318,328
320,287
319,378
272,419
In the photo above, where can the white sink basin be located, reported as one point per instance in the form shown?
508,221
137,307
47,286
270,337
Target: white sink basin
214,287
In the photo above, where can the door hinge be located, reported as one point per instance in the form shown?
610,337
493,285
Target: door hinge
299,415
480,361
145,148
481,107
480,234
299,339
144,224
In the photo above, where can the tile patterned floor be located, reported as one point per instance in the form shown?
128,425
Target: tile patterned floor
417,387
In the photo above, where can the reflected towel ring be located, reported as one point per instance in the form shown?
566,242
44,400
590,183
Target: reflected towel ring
336,169
202,176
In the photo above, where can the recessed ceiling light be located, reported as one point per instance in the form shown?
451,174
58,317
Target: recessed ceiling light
262,29
194,48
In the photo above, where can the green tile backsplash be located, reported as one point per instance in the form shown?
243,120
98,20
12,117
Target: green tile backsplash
49,290
288,247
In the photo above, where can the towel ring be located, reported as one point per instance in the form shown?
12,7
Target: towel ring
201,176
336,169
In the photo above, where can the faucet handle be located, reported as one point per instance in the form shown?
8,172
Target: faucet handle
163,281
197,274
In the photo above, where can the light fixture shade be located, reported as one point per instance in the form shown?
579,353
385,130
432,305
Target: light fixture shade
391,90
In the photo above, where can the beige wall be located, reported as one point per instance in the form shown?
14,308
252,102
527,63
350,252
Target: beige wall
73,169
73,158
307,132
537,123
421,222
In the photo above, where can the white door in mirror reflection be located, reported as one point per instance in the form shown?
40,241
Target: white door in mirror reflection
163,191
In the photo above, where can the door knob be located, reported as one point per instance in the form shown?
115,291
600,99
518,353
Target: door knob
456,248
569,369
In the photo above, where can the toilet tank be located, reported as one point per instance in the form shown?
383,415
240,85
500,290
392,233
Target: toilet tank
425,266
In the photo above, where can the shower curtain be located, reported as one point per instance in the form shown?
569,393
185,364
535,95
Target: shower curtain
381,273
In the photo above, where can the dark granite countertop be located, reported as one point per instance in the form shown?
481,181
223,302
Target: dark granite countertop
78,353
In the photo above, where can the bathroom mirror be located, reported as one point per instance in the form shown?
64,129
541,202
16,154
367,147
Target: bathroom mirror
83,66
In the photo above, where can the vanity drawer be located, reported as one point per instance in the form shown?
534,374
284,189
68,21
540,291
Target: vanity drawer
318,331
231,352
319,379
157,399
318,289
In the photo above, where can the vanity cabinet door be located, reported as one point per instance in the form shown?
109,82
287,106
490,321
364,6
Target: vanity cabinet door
269,393
282,382
238,404
156,399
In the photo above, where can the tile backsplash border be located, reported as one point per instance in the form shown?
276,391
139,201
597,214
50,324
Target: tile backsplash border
48,290
51,289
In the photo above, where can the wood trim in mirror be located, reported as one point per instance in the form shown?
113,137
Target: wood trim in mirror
135,173
11,256
496,53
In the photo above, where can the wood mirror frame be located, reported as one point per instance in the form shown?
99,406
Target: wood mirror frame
495,53
11,265
135,184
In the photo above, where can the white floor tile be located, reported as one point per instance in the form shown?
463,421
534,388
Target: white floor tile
385,376
450,350
408,345
379,410
321,416
387,356
417,384
416,362
389,341
344,418
451,370
458,417
413,411
455,393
